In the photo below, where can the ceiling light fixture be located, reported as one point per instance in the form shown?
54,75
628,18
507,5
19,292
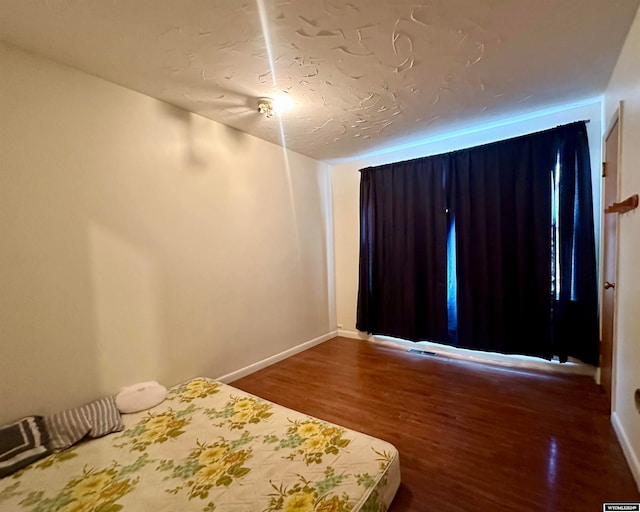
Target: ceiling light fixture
265,107
278,105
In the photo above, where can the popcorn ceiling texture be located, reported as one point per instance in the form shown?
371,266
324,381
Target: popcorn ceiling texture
362,73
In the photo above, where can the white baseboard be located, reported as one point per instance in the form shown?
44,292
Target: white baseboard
248,370
632,458
356,335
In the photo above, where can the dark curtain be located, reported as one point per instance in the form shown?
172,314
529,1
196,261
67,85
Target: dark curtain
403,253
497,201
501,199
575,308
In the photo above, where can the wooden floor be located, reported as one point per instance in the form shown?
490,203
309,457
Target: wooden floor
471,436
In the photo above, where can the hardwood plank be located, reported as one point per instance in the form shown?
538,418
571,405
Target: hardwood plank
471,436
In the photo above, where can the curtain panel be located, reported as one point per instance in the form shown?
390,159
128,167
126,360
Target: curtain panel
575,315
403,251
501,199
524,272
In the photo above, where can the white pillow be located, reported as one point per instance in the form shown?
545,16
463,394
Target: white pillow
141,396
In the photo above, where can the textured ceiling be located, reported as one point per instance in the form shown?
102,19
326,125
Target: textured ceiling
363,74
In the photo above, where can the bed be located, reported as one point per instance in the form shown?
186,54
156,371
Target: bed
212,448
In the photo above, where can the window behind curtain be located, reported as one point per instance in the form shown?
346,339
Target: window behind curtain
489,248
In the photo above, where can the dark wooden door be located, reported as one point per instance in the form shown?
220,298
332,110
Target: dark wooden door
610,245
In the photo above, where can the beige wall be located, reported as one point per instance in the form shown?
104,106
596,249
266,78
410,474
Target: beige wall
346,186
625,86
142,242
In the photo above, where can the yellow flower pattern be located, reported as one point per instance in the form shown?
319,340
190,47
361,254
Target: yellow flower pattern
155,428
308,496
299,502
194,389
240,412
209,466
94,490
221,444
312,439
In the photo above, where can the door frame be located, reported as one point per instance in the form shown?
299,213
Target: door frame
616,117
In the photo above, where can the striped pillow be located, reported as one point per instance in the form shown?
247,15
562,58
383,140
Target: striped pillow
95,419
22,443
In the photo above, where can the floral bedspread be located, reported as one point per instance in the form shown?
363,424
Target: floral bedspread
212,448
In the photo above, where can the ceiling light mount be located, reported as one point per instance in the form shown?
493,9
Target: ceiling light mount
279,104
265,107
